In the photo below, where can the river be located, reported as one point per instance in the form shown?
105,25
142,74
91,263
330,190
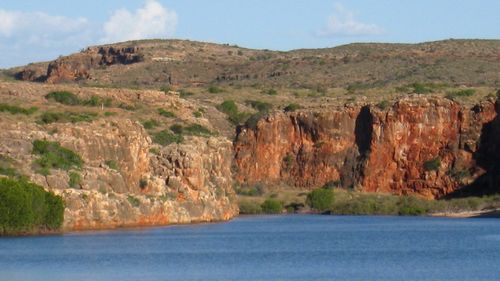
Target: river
295,247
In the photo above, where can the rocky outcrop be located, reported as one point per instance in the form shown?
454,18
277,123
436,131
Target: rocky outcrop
80,66
421,145
303,148
124,182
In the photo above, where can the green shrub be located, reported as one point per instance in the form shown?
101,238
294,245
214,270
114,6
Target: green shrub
165,89
134,201
248,207
68,98
228,107
27,207
127,107
112,164
75,180
177,129
165,137
271,92
98,101
53,156
166,113
253,120
259,105
214,89
272,206
66,117
12,109
197,114
433,164
150,124
185,94
6,168
292,107
240,118
110,113
197,130
411,206
320,199
419,88
460,94
63,97
383,105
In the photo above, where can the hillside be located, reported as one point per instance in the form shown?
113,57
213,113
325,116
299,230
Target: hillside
157,63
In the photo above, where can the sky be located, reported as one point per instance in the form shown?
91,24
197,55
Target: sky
34,30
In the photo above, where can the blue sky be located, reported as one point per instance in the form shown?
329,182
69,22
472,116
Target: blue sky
33,30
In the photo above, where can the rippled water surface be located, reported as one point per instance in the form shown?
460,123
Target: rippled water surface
266,248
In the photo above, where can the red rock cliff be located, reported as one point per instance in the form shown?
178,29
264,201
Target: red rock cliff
421,145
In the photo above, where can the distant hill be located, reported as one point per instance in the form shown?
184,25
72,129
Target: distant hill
156,63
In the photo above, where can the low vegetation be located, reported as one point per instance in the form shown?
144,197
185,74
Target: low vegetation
6,167
320,200
150,124
68,98
215,90
166,137
272,206
66,117
259,105
292,107
460,94
13,109
230,108
112,164
166,113
27,208
52,156
432,165
75,180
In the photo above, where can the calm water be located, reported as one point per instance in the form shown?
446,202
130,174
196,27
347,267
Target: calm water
267,248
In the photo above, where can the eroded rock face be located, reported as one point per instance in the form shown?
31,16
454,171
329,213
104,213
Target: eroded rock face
79,66
184,183
425,146
303,148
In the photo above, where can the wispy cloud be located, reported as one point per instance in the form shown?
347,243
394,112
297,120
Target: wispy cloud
34,36
150,21
343,23
39,28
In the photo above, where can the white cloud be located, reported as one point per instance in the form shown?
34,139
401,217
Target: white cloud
343,23
151,21
34,36
37,27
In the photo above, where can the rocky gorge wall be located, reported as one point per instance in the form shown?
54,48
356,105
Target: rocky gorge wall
428,146
126,179
181,184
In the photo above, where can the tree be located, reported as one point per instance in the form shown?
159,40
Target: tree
320,199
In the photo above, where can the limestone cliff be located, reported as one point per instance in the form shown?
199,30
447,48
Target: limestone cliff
126,180
419,145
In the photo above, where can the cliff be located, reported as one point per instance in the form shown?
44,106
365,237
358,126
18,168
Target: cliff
126,179
428,146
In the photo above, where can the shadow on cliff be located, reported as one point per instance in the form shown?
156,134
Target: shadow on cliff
354,165
487,157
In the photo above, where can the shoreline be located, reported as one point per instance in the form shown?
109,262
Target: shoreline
466,214
469,214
